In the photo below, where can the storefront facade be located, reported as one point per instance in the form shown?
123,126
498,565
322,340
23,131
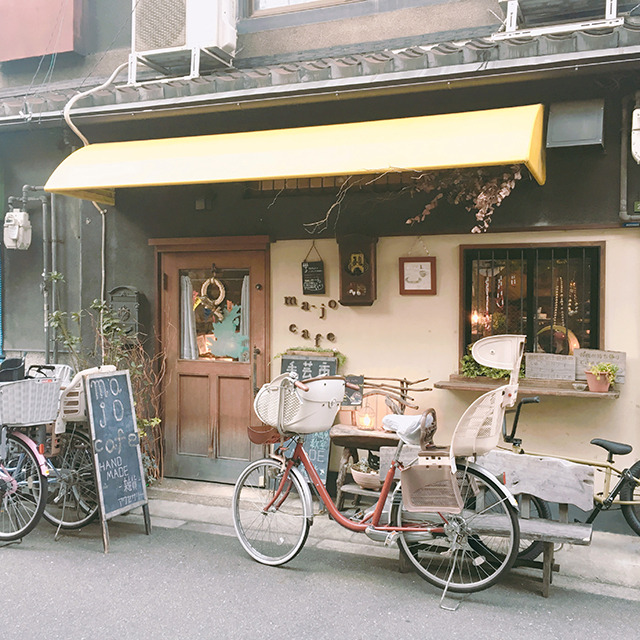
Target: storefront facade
250,232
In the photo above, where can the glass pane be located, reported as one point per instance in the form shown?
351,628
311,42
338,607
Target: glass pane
214,317
490,296
563,307
548,294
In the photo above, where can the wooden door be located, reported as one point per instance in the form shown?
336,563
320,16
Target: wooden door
214,317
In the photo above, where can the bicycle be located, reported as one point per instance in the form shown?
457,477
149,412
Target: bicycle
72,501
624,493
23,467
454,522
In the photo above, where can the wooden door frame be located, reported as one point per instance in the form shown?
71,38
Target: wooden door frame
210,244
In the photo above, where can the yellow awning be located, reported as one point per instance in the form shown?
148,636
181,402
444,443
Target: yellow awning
472,139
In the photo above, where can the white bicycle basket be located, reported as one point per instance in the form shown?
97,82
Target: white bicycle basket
282,405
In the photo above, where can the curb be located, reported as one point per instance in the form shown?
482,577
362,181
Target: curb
611,559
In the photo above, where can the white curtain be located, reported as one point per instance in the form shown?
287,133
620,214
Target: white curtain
244,307
188,342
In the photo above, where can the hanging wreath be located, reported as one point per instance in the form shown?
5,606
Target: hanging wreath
209,302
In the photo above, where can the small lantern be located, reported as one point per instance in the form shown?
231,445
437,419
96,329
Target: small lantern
366,417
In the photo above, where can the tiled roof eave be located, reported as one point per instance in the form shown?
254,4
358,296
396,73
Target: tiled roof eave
346,76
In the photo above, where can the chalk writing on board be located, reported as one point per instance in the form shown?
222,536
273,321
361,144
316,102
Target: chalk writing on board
116,443
550,366
313,277
309,366
586,357
353,397
317,445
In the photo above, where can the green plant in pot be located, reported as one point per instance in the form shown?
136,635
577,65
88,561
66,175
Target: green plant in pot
601,376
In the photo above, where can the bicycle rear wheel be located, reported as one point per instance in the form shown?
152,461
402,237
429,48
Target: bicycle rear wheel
468,551
23,490
72,499
631,491
271,522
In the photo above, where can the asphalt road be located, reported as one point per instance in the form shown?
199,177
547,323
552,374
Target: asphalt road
177,584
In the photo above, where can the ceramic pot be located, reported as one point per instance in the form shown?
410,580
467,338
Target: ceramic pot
597,382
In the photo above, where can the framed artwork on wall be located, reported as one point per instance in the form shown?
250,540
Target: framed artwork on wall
417,276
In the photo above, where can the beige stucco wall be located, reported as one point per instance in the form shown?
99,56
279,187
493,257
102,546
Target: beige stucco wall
418,336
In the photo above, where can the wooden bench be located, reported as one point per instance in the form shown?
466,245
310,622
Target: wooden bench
555,481
550,479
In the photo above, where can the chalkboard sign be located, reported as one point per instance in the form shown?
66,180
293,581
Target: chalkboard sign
312,277
316,445
116,443
353,397
309,366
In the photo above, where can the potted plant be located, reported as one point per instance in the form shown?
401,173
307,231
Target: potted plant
601,376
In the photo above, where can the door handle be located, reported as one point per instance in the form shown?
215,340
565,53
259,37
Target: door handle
256,352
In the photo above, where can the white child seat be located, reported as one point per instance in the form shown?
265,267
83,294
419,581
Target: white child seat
289,409
73,405
424,486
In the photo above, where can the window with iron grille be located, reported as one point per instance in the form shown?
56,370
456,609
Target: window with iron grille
549,294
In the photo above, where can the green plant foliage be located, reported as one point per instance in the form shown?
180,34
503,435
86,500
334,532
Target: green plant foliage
607,369
470,368
114,346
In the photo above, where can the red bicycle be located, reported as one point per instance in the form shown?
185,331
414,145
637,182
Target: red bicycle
454,522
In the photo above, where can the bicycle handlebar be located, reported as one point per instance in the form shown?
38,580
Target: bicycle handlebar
511,437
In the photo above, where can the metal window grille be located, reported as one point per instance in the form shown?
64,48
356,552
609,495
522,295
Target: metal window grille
550,294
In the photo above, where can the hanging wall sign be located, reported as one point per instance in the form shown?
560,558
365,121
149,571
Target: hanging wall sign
317,445
357,270
313,274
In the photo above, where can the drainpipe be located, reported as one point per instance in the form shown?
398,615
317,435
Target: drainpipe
46,266
629,131
46,269
54,269
1,325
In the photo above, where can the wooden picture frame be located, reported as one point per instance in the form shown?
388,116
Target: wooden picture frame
417,276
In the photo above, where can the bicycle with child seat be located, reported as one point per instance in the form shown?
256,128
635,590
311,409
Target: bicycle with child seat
620,486
453,521
46,465
72,500
23,467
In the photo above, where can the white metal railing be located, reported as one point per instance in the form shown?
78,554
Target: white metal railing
514,22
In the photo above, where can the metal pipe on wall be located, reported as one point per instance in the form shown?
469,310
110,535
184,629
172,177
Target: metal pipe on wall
46,264
54,269
46,269
625,141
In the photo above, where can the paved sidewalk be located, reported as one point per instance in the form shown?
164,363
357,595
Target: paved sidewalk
611,559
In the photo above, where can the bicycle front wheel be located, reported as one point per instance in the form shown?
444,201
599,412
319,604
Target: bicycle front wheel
23,490
631,492
72,501
468,551
270,514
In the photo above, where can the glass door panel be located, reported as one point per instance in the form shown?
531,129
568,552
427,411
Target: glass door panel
214,315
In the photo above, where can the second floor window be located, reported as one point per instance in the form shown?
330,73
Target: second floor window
281,6
549,294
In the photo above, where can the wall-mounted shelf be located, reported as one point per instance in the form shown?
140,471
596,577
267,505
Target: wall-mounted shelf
558,388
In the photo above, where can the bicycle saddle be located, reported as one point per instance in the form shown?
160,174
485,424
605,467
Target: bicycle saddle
619,448
408,428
